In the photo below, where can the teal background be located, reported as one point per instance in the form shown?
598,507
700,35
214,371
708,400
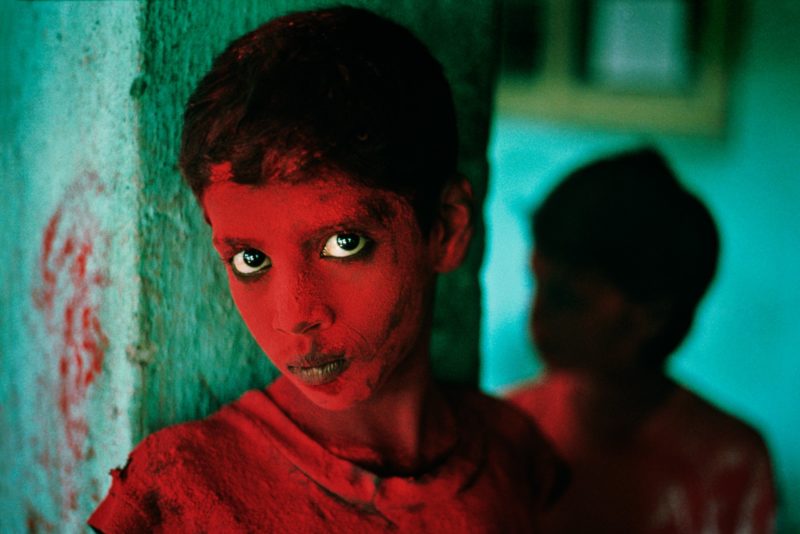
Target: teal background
744,350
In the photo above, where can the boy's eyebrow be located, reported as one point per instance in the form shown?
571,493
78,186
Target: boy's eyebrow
379,210
371,213
229,241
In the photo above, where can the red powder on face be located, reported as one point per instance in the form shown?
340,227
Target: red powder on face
68,296
336,327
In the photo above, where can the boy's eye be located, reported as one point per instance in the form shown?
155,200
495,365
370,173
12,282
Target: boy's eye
344,245
250,261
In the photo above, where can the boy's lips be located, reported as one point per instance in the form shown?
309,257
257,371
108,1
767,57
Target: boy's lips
316,369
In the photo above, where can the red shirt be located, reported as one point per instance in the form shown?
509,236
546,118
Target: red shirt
249,468
689,468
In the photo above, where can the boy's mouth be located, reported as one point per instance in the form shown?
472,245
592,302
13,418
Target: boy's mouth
317,369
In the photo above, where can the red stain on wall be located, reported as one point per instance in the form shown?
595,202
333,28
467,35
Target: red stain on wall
35,523
72,274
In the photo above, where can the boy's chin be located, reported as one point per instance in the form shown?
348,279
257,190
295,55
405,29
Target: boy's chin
333,396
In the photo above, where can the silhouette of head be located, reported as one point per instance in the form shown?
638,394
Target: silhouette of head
627,220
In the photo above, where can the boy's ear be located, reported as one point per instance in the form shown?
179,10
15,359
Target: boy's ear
452,230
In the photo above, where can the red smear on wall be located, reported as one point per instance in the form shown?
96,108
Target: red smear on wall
35,523
68,295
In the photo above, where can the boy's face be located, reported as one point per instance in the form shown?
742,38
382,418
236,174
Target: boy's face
333,279
581,321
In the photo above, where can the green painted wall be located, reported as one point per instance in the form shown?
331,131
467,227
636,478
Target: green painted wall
115,318
742,353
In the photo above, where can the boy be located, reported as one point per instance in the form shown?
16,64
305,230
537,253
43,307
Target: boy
322,149
623,255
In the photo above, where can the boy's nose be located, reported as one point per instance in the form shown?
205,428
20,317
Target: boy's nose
293,318
300,309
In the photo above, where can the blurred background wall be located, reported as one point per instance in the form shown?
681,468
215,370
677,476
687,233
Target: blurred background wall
744,350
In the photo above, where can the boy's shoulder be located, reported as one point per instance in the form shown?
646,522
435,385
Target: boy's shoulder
684,413
226,435
495,414
541,395
193,470
706,425
514,437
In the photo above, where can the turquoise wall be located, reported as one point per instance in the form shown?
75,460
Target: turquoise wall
115,319
743,351
69,301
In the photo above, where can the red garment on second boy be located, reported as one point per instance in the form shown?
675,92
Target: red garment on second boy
689,468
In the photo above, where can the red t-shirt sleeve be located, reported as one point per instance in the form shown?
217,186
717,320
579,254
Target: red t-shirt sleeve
117,512
131,504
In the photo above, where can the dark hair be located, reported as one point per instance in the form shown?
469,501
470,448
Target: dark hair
338,90
628,218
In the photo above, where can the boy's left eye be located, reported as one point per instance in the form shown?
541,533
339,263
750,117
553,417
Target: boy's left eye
344,245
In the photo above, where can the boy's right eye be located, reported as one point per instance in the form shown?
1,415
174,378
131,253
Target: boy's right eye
249,261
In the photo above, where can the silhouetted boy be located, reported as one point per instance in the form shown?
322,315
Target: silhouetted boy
623,255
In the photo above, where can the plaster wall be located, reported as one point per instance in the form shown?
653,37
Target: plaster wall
70,289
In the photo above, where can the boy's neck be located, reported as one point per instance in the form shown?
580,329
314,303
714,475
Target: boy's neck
407,427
